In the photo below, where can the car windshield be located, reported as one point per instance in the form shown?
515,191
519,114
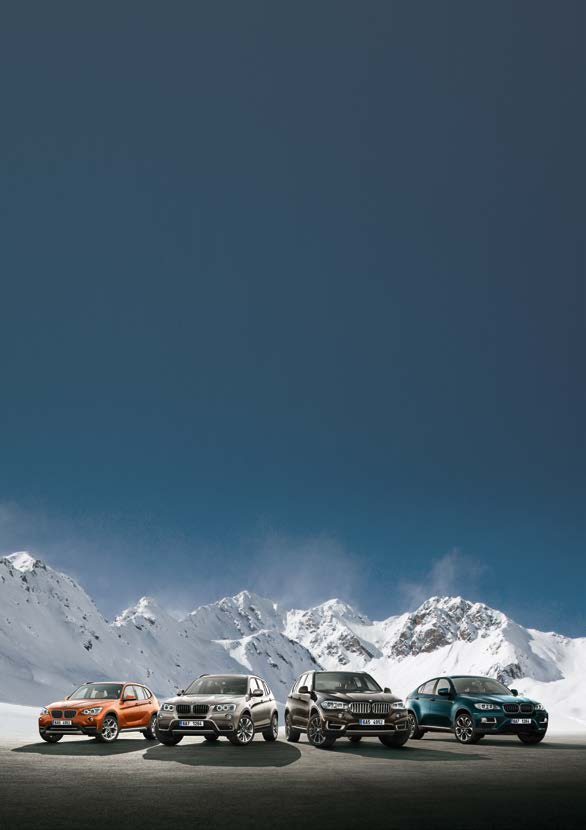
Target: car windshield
479,686
97,691
344,681
216,685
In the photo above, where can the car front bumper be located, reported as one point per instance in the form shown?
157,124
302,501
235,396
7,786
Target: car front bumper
489,723
211,726
348,725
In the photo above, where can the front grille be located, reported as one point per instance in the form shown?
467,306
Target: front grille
199,709
527,708
183,709
360,708
368,708
70,713
511,708
381,708
57,713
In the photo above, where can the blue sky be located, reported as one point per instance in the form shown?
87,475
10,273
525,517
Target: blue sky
292,301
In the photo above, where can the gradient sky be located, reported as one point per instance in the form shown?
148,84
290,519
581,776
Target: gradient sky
292,300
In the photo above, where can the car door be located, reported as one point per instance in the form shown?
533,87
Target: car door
297,704
304,702
129,707
440,705
257,704
143,708
424,697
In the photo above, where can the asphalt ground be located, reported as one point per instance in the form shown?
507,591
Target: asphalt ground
432,783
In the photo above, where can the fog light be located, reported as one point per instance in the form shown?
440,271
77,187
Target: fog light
228,717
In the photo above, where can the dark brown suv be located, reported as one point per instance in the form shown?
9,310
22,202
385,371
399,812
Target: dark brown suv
340,704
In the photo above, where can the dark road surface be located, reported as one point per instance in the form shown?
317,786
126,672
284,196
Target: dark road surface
429,784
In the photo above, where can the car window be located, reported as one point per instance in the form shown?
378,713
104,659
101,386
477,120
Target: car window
443,683
427,688
268,692
254,684
142,693
147,693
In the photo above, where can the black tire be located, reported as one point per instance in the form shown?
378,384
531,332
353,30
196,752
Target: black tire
415,733
150,733
109,730
244,732
272,733
396,739
464,729
169,740
355,739
531,737
51,739
316,735
291,733
211,738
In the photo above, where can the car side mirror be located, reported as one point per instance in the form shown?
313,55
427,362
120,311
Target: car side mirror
514,692
386,690
181,692
303,690
129,697
443,692
256,693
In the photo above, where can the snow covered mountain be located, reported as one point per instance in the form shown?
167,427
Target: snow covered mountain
52,637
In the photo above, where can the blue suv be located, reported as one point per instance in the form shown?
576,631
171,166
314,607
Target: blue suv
472,707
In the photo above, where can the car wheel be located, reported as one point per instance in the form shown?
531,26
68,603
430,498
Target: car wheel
291,733
531,737
355,739
151,732
109,731
244,733
396,739
415,733
168,740
51,739
316,735
464,729
211,738
272,733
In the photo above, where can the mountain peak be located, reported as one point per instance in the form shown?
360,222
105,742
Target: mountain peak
23,561
146,607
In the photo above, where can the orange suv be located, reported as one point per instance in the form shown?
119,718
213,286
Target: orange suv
102,710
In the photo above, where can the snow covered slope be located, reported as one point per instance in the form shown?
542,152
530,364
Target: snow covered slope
52,637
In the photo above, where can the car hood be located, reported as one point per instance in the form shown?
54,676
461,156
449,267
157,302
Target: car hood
78,704
496,699
206,699
360,697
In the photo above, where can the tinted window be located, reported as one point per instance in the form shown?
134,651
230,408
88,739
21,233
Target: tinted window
479,686
443,683
345,681
97,691
218,685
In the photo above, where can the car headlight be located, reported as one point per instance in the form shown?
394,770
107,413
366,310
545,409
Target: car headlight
225,707
167,707
397,704
44,711
95,710
539,707
486,706
333,704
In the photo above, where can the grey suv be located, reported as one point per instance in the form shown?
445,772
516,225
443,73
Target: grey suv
234,705
342,704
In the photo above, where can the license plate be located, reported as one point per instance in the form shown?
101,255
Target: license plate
372,722
520,720
62,723
193,724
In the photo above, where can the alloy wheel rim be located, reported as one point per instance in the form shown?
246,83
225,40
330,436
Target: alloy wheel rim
245,731
464,728
412,726
109,729
153,724
288,725
275,725
315,732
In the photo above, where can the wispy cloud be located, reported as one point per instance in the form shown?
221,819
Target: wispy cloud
451,574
